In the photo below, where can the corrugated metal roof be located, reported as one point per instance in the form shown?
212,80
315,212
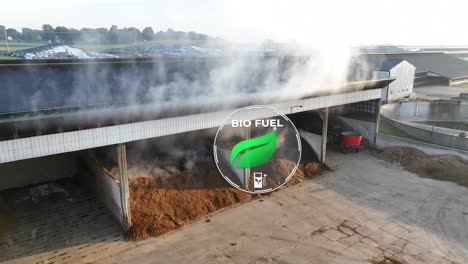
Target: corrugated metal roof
442,64
31,87
388,64
43,86
439,63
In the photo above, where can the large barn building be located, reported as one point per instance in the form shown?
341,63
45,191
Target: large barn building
402,71
432,68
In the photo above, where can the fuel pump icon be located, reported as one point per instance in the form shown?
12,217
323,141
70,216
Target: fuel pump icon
259,180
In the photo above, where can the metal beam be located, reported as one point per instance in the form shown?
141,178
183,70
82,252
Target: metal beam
124,190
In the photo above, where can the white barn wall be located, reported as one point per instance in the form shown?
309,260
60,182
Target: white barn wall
403,85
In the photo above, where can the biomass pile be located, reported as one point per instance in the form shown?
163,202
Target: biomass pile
169,189
439,167
161,204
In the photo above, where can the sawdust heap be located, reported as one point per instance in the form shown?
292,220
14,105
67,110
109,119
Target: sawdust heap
439,167
170,199
280,167
161,204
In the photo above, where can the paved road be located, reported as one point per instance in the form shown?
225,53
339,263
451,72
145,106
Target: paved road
443,92
364,210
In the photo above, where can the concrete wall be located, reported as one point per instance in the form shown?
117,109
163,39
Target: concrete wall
400,115
434,135
33,171
314,141
427,111
385,141
105,186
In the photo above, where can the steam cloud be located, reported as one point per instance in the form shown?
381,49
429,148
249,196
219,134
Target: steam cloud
216,82
219,80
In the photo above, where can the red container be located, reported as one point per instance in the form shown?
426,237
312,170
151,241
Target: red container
351,138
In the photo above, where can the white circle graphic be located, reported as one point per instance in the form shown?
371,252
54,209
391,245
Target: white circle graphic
257,149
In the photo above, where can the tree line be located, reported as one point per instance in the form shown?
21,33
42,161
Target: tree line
113,35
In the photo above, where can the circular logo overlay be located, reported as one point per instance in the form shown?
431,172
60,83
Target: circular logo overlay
257,149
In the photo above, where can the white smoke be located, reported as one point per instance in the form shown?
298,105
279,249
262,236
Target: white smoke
215,83
326,69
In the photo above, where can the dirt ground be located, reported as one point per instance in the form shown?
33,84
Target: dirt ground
439,167
169,189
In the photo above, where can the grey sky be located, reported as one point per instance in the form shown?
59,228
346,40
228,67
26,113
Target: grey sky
320,23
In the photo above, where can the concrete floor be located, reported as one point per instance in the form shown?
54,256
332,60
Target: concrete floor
439,91
365,210
58,223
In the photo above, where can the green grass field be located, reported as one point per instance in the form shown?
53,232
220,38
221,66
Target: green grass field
446,124
9,58
13,46
388,129
461,85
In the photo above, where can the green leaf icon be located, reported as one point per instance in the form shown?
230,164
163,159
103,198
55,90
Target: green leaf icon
258,150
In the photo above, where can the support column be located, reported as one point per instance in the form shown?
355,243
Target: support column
247,170
124,190
377,124
324,134
15,132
